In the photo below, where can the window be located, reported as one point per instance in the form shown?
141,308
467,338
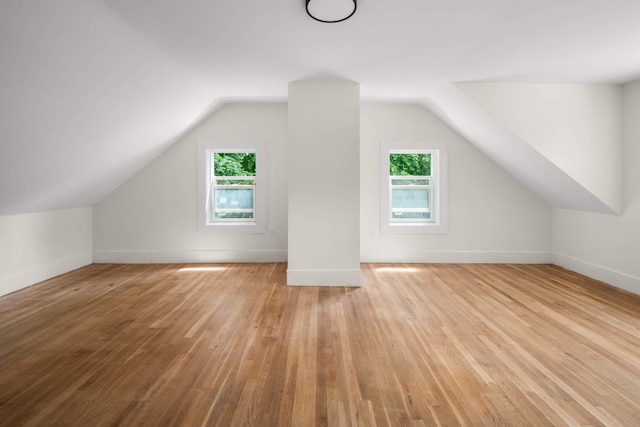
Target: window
413,187
231,187
232,193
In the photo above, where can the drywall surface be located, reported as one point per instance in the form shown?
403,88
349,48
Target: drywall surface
152,217
88,99
324,184
603,246
575,126
35,247
492,217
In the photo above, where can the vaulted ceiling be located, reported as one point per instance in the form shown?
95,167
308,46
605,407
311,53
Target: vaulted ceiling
92,90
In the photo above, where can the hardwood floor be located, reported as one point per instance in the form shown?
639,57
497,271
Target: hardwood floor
193,345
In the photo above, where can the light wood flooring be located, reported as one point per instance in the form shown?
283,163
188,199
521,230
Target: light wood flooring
226,345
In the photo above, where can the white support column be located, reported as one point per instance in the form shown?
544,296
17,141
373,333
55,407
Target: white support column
324,184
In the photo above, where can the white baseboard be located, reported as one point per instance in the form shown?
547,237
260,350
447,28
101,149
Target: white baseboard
17,280
24,278
324,277
604,274
187,256
201,256
458,257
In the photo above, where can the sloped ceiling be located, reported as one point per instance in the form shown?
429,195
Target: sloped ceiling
575,129
92,90
566,148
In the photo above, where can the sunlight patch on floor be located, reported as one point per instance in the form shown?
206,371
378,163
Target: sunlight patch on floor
202,269
397,269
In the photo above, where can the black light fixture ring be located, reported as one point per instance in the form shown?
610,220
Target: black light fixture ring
355,6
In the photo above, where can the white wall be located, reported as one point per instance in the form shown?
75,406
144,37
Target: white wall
607,247
324,184
492,217
35,247
153,216
575,126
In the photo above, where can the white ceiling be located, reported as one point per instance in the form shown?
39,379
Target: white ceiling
92,90
392,47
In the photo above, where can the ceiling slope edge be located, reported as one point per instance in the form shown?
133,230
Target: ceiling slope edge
578,127
519,158
90,100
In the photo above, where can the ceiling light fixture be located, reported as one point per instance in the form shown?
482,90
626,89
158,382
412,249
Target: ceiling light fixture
331,11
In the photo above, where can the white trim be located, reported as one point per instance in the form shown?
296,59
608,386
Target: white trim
187,256
203,185
610,276
25,278
439,202
458,257
198,256
351,278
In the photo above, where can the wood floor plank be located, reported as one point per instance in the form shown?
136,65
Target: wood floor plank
231,344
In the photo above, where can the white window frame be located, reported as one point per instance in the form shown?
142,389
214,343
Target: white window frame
438,223
239,225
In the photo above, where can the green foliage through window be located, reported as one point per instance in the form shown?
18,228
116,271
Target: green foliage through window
415,164
234,164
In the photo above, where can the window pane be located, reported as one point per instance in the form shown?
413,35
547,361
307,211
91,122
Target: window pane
409,181
234,164
416,164
248,181
410,203
233,203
